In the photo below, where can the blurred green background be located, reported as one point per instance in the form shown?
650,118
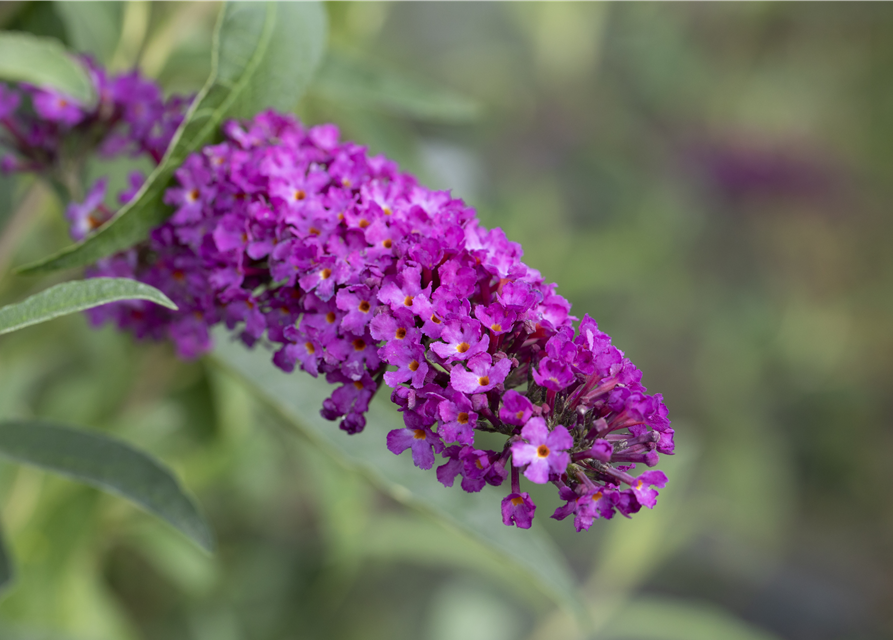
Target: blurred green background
711,182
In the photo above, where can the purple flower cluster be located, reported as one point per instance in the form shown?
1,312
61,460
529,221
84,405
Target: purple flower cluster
354,271
50,132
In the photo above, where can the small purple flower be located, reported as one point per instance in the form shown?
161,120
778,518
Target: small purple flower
354,354
457,419
495,318
86,217
518,510
305,347
351,400
324,277
400,292
596,503
518,296
358,303
553,375
141,101
516,408
57,107
482,377
476,463
666,444
646,496
409,358
394,328
423,442
544,452
461,340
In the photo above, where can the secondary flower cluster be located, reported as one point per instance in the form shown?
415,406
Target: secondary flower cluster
51,132
356,272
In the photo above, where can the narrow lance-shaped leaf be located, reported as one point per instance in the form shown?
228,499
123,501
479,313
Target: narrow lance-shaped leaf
264,56
298,397
353,82
44,62
107,464
69,297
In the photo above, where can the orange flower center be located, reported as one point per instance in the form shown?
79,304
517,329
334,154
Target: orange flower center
462,418
387,243
484,381
496,327
310,348
517,501
330,317
462,347
325,274
400,333
414,365
358,385
418,434
407,301
542,451
299,195
359,344
363,223
364,307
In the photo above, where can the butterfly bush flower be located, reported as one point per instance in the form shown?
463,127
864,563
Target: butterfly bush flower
352,270
541,451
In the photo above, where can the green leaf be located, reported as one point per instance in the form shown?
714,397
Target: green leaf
43,62
299,398
6,570
92,27
349,81
108,464
294,39
265,54
69,297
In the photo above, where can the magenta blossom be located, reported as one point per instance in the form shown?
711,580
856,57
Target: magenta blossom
518,509
57,107
544,453
482,377
421,440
